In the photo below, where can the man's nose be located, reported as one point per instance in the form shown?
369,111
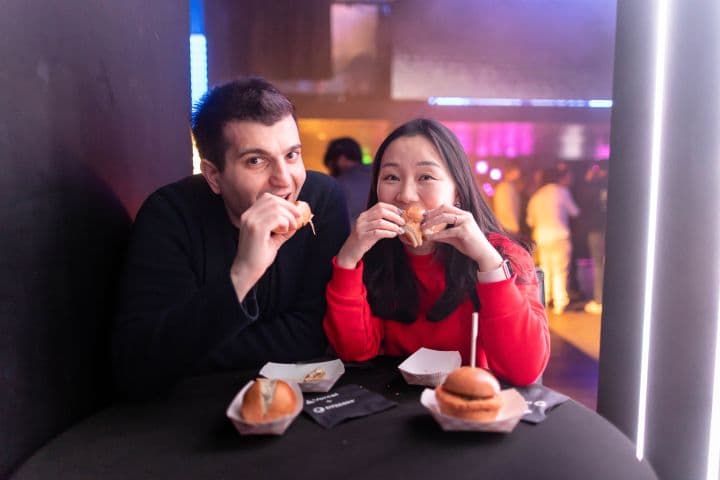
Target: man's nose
281,174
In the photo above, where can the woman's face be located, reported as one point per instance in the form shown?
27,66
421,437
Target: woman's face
412,171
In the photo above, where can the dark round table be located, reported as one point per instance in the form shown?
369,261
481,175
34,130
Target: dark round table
187,436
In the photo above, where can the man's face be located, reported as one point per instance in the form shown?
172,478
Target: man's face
258,159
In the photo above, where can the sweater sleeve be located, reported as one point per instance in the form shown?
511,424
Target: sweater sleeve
353,331
296,333
178,311
168,319
513,324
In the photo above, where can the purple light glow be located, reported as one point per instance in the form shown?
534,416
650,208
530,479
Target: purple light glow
602,151
488,189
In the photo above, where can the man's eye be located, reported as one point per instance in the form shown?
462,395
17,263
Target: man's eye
293,155
254,161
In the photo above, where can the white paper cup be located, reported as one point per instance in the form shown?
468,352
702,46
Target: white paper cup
429,367
296,372
512,410
275,427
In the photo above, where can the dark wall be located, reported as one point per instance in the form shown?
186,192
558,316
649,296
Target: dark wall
94,116
684,313
281,39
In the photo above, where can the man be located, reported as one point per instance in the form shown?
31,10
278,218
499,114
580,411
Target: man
208,284
548,215
594,197
507,202
343,158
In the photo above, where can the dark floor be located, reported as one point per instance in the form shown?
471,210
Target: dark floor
572,372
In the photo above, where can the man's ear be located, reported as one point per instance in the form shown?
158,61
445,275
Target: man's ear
211,173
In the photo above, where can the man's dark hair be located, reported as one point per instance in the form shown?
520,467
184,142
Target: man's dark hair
344,146
247,99
390,282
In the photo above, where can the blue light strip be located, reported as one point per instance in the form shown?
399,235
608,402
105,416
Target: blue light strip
198,67
518,102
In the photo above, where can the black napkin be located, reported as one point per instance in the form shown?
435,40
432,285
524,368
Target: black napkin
540,400
344,403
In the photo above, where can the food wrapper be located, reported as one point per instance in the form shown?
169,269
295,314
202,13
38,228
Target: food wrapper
429,367
512,410
297,372
275,427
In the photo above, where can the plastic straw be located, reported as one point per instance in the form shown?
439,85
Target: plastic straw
473,345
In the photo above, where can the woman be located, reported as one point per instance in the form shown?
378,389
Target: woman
388,297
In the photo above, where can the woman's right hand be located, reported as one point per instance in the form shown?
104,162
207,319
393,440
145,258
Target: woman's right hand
382,220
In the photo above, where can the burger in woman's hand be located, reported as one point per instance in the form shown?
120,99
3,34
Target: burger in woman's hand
470,394
413,217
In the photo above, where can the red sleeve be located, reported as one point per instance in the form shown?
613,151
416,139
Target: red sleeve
354,333
513,324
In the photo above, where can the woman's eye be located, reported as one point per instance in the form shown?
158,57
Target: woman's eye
390,178
426,177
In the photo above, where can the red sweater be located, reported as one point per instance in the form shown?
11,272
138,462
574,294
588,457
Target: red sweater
513,338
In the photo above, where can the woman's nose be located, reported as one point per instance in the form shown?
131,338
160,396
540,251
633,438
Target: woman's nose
407,193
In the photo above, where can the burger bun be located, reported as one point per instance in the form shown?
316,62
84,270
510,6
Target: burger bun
470,393
268,400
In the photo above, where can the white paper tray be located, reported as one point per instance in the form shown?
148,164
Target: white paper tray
276,427
429,367
512,410
296,372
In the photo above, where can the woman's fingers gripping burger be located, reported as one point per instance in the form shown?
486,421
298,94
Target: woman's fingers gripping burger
382,220
457,227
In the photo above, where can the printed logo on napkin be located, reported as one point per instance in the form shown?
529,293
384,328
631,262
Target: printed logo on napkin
540,400
343,403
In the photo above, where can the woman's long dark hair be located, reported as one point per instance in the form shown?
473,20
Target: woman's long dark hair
390,282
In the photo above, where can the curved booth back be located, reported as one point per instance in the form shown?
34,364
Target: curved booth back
90,124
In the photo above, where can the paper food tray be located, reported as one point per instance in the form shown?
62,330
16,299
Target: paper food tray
276,427
512,410
429,367
296,372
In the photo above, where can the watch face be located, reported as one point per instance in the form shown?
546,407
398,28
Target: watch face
507,268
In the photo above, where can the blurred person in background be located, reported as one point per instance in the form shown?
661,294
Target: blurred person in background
507,202
343,158
548,214
594,201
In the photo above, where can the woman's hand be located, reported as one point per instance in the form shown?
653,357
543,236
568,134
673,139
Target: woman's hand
381,221
463,233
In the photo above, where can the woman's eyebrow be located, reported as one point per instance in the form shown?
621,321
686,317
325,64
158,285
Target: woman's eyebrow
423,163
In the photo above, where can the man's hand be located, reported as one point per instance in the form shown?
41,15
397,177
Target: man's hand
257,244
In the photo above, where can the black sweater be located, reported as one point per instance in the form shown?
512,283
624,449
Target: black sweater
178,313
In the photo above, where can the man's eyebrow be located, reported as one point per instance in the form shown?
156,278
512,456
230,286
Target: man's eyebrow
262,152
254,151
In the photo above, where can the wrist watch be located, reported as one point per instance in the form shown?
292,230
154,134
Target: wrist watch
502,272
